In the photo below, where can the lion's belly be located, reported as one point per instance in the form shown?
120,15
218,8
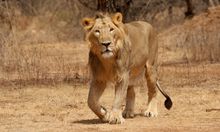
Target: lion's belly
136,75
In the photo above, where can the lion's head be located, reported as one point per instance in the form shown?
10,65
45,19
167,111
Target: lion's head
104,32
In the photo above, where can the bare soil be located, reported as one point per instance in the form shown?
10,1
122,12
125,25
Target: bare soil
195,91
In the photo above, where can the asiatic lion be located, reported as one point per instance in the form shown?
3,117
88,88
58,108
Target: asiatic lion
120,53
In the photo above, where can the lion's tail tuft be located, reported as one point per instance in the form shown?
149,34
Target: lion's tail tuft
168,102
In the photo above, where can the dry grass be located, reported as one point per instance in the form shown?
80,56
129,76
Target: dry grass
44,63
30,54
197,40
37,42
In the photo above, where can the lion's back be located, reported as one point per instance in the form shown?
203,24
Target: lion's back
137,28
141,36
139,32
138,25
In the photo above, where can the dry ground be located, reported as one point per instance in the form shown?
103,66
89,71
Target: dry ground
195,91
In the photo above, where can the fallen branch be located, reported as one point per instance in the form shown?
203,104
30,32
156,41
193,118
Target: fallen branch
210,110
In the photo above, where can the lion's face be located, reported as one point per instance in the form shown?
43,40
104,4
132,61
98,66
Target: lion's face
103,34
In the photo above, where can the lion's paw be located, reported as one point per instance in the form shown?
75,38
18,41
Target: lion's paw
128,114
151,113
114,117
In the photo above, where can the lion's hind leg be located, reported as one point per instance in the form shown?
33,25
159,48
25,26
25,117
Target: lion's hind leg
130,100
151,77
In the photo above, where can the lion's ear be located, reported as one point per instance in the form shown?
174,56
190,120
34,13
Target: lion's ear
88,23
117,18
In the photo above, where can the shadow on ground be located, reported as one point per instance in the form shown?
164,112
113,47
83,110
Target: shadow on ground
89,121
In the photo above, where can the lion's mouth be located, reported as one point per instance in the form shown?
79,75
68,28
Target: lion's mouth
106,51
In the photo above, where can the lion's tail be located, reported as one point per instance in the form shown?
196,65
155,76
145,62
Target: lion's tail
168,102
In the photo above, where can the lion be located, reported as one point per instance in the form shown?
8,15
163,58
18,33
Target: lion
120,53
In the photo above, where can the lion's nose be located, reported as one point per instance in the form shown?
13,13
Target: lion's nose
106,43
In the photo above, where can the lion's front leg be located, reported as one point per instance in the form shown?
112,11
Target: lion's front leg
115,115
95,92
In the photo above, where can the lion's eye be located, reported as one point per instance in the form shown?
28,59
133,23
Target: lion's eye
111,29
97,32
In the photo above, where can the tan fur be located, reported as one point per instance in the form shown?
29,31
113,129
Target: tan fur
132,53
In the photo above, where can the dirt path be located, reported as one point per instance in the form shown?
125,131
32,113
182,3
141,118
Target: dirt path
64,108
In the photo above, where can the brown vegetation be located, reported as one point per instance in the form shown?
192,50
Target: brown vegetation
197,40
41,40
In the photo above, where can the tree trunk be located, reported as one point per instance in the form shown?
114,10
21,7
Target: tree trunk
112,6
106,5
189,12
